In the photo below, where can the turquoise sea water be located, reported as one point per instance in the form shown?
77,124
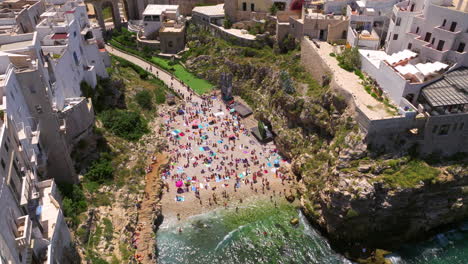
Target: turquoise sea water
261,233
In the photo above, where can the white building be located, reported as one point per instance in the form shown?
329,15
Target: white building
155,15
435,29
368,22
33,227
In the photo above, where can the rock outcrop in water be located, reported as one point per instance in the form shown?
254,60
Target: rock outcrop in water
359,198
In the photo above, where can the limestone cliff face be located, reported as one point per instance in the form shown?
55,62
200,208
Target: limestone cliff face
343,190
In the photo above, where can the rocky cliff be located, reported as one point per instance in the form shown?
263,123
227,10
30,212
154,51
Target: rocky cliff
360,198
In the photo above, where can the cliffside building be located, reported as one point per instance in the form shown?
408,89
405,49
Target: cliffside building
435,29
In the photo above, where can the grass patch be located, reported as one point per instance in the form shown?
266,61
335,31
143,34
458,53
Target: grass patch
200,86
125,41
410,174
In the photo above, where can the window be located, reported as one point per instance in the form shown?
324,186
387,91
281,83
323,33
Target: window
410,45
6,147
412,8
75,57
444,129
244,6
3,164
252,7
395,36
38,109
74,34
453,26
432,41
441,44
398,21
428,36
445,22
461,47
170,44
417,30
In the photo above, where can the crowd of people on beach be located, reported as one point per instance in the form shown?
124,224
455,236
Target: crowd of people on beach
210,149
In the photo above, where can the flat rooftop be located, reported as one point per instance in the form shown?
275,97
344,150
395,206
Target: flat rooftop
213,11
15,45
156,10
452,89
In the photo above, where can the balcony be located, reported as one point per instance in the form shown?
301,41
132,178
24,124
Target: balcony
26,189
445,33
32,133
23,231
434,54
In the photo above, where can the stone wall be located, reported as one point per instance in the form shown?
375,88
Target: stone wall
79,121
394,133
220,33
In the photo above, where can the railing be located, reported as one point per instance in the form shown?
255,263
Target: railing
24,229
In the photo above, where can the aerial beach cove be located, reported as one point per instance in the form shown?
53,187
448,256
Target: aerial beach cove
225,197
249,222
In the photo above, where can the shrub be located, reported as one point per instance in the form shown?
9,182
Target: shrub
286,83
274,9
86,90
261,129
100,171
349,59
160,96
73,202
288,44
145,99
351,213
125,124
227,24
332,54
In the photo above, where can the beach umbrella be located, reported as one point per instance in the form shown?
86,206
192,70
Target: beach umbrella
179,183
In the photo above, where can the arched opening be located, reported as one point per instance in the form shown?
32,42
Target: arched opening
108,15
125,14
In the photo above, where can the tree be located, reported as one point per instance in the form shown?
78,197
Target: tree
349,59
274,9
227,23
145,99
286,83
261,129
288,43
101,171
125,124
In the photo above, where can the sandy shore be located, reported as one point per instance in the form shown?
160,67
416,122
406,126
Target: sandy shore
223,189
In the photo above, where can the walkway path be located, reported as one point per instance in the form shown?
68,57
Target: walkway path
164,76
350,82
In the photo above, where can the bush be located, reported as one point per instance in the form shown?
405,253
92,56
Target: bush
286,83
227,24
145,99
86,90
100,171
351,213
160,96
288,44
274,9
73,202
332,54
125,124
349,59
261,129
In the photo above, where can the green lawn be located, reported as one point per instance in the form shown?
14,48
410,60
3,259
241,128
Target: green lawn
200,86
410,174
